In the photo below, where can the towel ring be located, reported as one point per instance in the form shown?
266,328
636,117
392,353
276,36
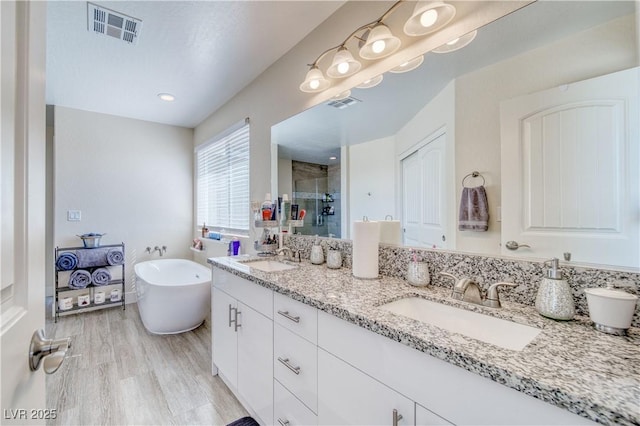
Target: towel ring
473,175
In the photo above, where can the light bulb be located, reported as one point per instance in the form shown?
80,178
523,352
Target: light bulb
454,41
343,67
429,18
314,84
378,46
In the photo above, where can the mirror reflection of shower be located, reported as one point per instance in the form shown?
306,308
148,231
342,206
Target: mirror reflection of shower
316,188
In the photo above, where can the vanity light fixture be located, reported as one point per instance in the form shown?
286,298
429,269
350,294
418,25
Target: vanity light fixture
429,17
457,43
372,82
343,64
167,97
409,65
375,40
314,81
379,43
341,96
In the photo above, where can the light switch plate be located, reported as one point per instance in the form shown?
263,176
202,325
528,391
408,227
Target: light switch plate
74,215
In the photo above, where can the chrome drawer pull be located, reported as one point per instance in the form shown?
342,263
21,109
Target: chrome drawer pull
287,316
289,366
283,422
231,320
236,325
396,417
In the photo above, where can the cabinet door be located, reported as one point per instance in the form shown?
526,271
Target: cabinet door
255,361
425,417
224,339
346,396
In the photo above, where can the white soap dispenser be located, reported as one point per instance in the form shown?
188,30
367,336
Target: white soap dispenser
554,299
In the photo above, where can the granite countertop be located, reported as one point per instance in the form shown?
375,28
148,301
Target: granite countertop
569,364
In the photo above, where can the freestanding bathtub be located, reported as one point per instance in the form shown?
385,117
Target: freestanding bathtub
174,295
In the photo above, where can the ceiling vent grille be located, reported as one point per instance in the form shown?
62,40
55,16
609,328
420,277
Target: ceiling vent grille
343,103
101,20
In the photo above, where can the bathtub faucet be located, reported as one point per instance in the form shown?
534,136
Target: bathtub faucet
161,251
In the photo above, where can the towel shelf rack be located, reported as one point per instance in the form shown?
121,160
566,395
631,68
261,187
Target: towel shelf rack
62,291
473,174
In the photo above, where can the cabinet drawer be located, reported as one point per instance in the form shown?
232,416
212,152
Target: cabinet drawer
251,294
288,410
425,417
296,316
295,364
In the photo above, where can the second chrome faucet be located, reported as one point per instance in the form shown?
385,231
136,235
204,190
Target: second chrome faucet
467,290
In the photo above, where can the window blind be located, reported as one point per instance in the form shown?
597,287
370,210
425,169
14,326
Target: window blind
222,181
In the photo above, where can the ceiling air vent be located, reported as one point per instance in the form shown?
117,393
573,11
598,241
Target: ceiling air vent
101,20
343,103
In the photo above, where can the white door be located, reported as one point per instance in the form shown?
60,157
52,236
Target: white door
424,189
570,180
22,206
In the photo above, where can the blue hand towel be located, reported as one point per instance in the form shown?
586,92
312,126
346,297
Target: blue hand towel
79,279
474,210
101,276
88,258
115,256
67,261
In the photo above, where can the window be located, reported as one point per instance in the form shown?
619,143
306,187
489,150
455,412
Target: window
222,181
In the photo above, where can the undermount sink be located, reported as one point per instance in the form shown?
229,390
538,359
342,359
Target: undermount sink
503,333
269,265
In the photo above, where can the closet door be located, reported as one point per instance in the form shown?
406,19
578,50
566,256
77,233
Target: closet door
424,196
570,161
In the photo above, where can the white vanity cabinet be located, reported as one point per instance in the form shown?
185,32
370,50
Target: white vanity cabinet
242,340
455,395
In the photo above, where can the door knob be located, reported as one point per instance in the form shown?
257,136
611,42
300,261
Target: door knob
52,351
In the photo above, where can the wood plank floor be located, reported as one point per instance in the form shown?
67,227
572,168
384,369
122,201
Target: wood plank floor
119,374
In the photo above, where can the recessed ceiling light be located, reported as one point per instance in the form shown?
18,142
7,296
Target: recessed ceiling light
167,97
333,157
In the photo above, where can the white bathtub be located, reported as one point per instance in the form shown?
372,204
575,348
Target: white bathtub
174,295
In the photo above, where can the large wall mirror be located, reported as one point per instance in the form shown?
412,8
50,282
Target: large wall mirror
502,107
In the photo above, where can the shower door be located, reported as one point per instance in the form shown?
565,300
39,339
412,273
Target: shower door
310,195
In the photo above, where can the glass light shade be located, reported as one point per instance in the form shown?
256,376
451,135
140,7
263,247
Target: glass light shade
314,81
409,65
429,17
457,43
343,64
380,43
372,82
341,96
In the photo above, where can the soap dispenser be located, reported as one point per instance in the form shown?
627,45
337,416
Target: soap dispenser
554,299
317,255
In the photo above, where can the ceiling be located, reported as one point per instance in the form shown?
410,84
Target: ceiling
202,52
318,133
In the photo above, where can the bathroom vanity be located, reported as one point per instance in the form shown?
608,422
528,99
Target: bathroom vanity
311,345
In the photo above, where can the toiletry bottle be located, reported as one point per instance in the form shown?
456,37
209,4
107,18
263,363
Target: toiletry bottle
554,299
266,207
285,210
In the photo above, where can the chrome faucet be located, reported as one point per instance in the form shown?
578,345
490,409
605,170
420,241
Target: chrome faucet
468,290
292,255
465,289
161,251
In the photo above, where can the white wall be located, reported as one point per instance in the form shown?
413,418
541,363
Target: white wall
274,95
600,50
372,171
132,180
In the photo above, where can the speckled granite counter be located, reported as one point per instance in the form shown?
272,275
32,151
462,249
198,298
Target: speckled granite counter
569,364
